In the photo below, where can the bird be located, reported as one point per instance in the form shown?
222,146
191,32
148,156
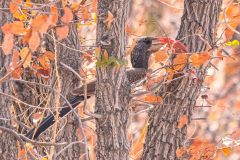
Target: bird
139,60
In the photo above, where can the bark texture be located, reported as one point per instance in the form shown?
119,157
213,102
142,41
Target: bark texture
112,89
8,149
179,97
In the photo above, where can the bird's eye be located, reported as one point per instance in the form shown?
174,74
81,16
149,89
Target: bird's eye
148,41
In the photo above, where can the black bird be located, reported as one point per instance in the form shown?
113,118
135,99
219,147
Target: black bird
140,53
49,121
139,59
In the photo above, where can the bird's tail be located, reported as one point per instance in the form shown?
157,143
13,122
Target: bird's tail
49,121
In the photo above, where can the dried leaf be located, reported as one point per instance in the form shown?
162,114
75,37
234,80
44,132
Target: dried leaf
198,59
153,99
226,151
180,61
17,27
27,56
7,44
128,30
109,20
16,71
40,24
68,15
182,121
161,56
50,55
44,61
62,32
105,55
13,7
27,36
53,18
34,41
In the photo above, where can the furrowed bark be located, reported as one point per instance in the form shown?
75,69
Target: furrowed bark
8,142
179,96
112,89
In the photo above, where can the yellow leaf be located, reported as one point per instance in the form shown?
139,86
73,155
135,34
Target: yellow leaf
26,57
226,151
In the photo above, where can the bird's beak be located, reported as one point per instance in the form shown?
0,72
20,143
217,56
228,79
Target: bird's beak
156,45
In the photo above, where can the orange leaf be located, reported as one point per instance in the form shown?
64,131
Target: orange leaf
129,51
105,55
50,55
7,44
44,61
26,55
198,59
17,71
180,61
171,73
62,32
68,15
27,36
13,7
153,99
17,27
128,30
40,23
226,151
85,13
161,56
182,121
109,20
94,6
53,18
34,41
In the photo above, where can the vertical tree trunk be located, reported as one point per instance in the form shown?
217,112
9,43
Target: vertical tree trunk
179,97
112,90
8,149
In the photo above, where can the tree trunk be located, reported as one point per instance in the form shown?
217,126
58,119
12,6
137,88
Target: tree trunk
179,96
112,89
8,149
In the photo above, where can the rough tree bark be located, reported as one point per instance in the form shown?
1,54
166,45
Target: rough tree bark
179,97
112,89
8,149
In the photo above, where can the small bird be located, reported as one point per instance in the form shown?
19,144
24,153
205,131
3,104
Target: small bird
139,59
